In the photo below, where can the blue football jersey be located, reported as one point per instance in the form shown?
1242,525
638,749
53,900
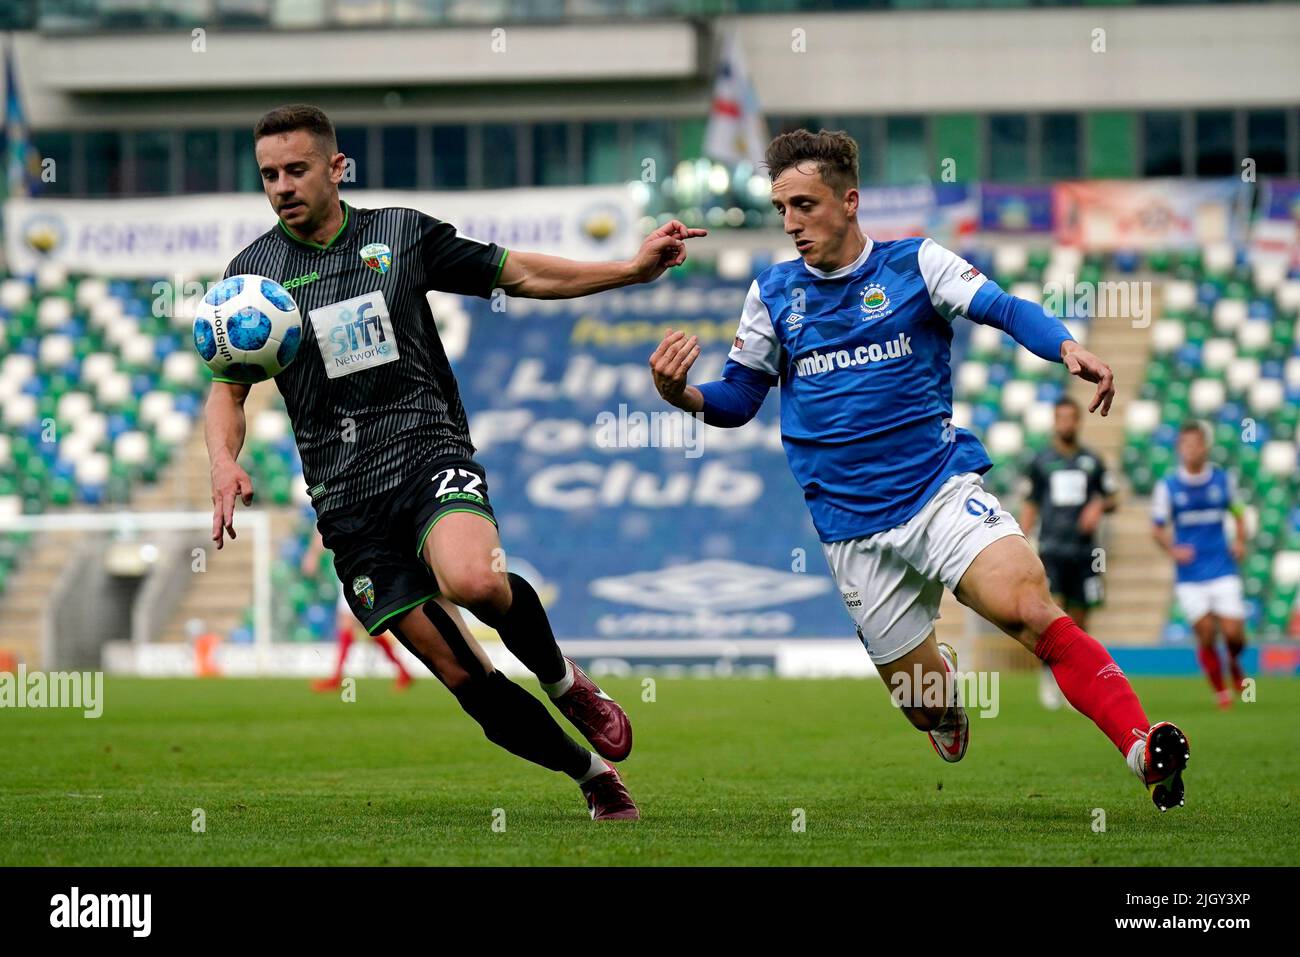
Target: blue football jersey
863,356
1197,505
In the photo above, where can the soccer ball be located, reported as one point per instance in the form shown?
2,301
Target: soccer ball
247,328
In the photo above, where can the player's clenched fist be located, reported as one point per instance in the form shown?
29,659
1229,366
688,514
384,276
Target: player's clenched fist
669,364
228,481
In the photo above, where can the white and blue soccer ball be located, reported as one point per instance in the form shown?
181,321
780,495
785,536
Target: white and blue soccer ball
247,328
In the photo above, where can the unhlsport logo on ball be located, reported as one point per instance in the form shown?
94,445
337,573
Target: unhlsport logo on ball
247,329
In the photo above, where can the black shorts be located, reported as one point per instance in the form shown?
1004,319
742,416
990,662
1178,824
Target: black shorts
1072,578
378,543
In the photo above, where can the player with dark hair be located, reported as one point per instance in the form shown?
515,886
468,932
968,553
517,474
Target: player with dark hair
1069,489
1188,510
857,335
385,444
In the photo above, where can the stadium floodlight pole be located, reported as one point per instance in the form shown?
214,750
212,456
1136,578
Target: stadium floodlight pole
126,522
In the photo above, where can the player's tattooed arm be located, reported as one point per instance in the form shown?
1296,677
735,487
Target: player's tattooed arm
534,276
224,428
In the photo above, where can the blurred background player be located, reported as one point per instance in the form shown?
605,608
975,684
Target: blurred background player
1189,508
344,624
1069,490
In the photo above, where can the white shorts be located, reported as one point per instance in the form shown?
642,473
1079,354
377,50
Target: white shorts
891,582
1218,596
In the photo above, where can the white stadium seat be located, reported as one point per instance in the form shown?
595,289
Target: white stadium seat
174,428
1287,295
11,506
93,469
1242,374
1066,259
1268,273
1291,372
51,276
270,425
1266,396
76,446
1255,335
1206,396
1010,259
90,291
1278,458
1078,330
972,377
113,389
1179,294
19,365
138,350
1217,353
106,313
181,368
1229,314
1039,418
19,410
1167,335
961,416
14,294
1017,396
53,312
1029,364
131,448
74,406
93,426
1142,416
56,350
986,339
1286,568
1219,258
155,405
6,449
1005,438
1027,290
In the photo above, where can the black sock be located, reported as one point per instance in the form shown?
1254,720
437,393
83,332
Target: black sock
513,719
526,632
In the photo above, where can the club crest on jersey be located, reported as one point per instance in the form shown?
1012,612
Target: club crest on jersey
364,589
377,256
875,302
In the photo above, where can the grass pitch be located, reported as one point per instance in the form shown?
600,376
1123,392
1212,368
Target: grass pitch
721,769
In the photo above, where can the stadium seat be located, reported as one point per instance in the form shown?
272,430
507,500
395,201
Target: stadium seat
1268,273
14,294
735,264
1286,568
1228,315
1206,396
1179,296
972,377
1032,366
1039,418
132,449
1017,395
1167,336
1010,260
1033,291
1254,336
1216,354
961,415
1142,417
52,277
1266,397
1278,459
1241,374
1287,296
1218,259
52,313
1005,440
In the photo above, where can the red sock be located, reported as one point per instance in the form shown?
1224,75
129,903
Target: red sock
1208,656
1092,682
345,645
386,647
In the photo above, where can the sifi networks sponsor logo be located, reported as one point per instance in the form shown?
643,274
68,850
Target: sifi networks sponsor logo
875,302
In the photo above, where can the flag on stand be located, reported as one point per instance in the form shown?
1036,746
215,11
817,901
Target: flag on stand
736,130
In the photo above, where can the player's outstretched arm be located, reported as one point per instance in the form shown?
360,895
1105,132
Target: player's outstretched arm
224,427
534,276
730,402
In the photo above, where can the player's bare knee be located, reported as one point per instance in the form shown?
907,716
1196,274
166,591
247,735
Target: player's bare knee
478,589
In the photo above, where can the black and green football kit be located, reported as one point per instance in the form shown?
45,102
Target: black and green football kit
1061,485
374,405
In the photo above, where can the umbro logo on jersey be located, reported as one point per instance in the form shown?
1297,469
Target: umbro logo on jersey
896,348
793,320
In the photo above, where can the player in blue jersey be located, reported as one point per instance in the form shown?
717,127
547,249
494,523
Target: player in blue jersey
857,335
1189,507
